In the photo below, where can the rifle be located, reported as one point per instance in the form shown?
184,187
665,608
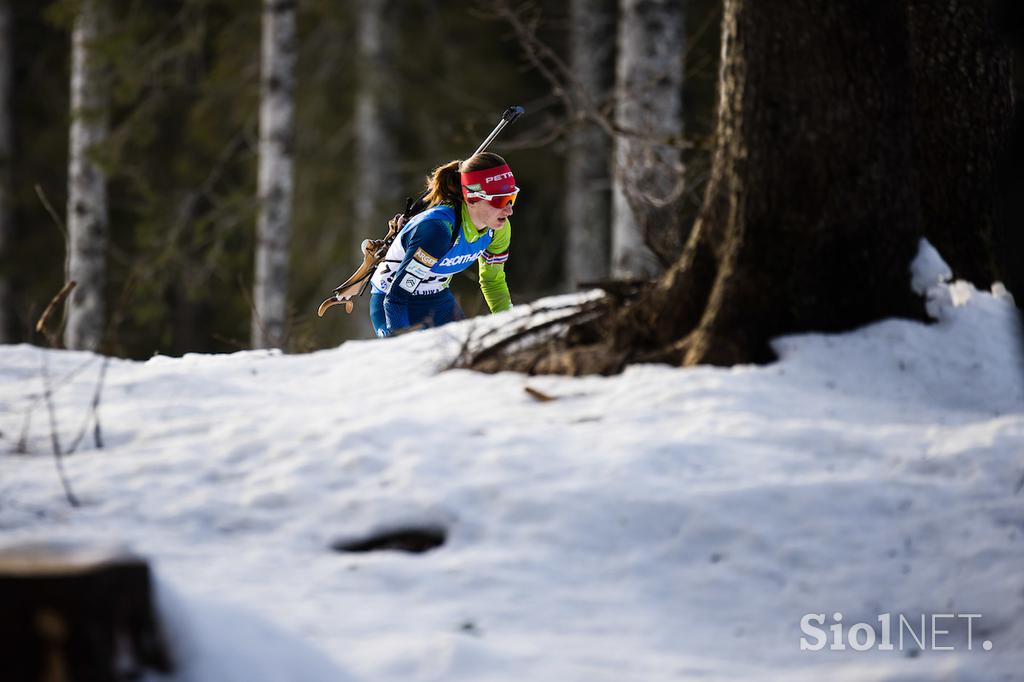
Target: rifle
374,249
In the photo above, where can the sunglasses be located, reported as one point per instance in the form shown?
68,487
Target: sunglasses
495,200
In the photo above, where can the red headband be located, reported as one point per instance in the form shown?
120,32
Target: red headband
497,180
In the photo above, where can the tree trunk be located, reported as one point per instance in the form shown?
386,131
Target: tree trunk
7,318
1009,238
588,181
810,219
275,183
963,107
375,152
77,613
648,108
87,182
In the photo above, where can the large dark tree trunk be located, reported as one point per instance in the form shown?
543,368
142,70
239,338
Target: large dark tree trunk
810,220
6,189
963,107
1009,235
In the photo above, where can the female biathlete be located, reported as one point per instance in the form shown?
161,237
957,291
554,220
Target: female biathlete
467,220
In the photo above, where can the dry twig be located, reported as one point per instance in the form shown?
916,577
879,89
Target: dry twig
537,395
93,414
54,436
56,301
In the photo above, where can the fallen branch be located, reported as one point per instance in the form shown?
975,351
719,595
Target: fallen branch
586,310
538,395
533,313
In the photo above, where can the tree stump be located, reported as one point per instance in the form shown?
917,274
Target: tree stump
74,613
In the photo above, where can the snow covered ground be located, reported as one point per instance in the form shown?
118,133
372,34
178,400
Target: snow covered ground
664,524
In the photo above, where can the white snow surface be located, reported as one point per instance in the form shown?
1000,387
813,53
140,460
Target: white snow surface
664,524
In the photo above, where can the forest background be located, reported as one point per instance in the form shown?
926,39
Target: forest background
181,155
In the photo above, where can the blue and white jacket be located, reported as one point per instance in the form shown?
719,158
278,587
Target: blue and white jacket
422,260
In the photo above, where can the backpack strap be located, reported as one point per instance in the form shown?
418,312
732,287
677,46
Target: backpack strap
456,222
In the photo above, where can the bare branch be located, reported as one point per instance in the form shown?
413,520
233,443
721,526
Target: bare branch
93,414
579,105
58,298
54,436
64,233
22,445
49,209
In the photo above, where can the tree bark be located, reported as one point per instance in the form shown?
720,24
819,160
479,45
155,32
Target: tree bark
648,173
963,107
1009,238
275,182
810,220
7,318
588,180
375,151
87,182
77,613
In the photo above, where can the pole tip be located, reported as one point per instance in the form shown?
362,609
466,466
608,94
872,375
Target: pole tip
513,112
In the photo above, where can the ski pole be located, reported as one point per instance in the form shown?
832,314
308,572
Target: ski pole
510,115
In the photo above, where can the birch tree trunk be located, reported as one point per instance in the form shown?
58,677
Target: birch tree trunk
375,152
648,178
6,193
276,182
87,182
588,181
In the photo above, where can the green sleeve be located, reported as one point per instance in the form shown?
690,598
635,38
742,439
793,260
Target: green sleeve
492,271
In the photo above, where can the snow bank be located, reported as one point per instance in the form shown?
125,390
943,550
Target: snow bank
210,641
663,524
